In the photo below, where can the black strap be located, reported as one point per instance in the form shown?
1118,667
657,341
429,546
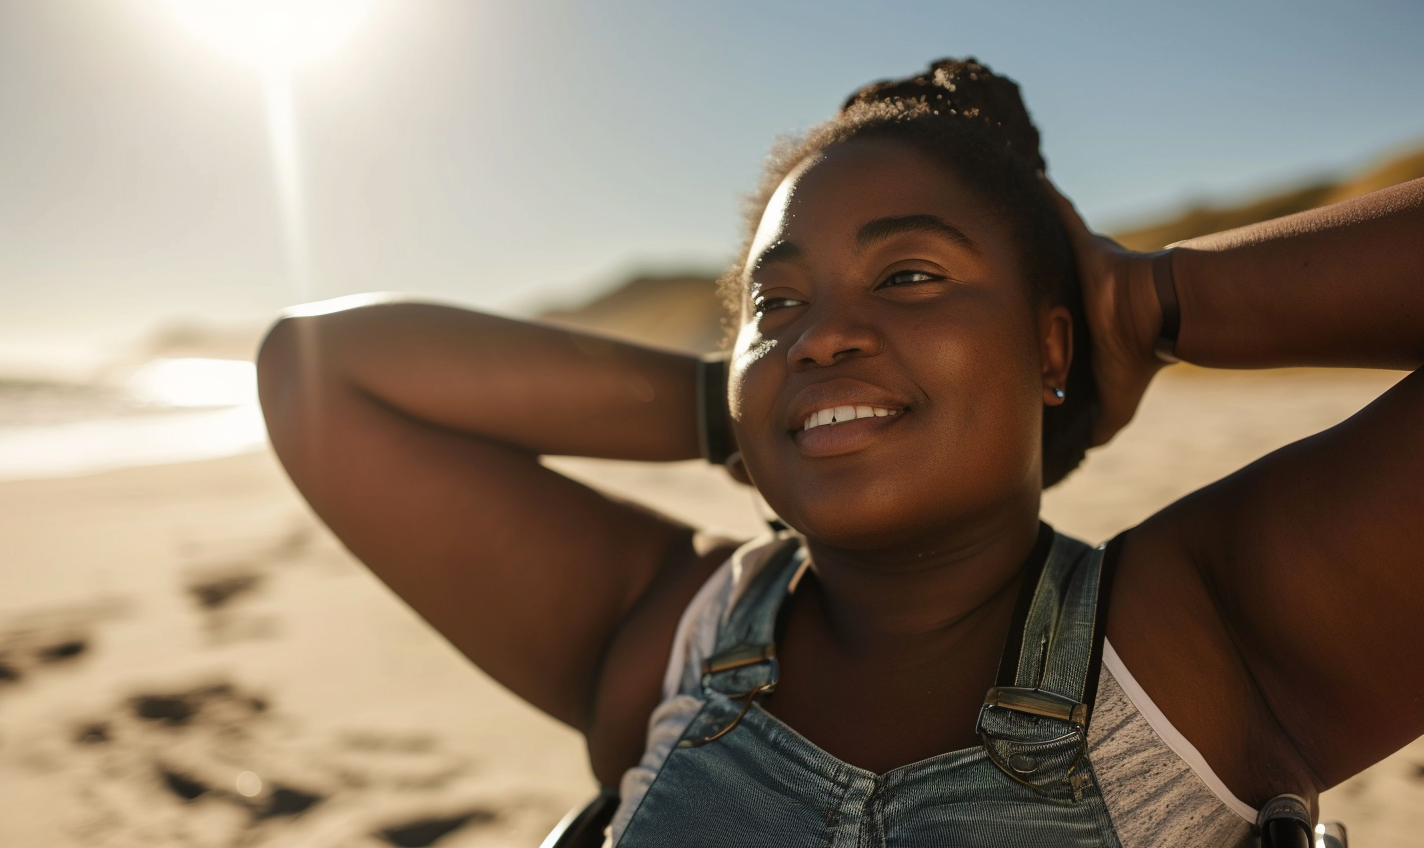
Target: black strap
714,429
1032,569
1166,288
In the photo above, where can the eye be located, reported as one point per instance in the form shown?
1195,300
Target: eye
904,278
764,305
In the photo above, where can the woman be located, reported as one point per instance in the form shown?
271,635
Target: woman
914,364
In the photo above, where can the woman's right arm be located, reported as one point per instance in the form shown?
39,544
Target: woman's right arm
414,430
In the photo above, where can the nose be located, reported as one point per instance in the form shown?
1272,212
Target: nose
830,334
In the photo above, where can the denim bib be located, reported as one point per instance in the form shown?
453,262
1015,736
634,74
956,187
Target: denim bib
739,776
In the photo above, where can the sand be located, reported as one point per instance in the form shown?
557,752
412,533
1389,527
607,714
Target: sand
187,658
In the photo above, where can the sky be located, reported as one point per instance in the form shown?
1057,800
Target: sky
512,155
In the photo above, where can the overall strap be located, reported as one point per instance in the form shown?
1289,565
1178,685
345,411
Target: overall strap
743,664
1056,640
744,659
1037,714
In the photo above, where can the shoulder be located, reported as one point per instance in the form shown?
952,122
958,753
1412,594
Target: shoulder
662,642
1167,626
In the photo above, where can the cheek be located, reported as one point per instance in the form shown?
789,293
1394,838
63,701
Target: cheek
749,386
986,411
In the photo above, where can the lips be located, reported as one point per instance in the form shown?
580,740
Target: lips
842,416
841,400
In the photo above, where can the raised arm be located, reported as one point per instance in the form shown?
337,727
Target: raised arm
1338,286
1311,559
1342,285
414,430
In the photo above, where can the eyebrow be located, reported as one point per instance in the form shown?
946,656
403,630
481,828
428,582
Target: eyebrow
884,228
781,251
877,230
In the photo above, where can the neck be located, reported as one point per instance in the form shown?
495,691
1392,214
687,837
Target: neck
928,596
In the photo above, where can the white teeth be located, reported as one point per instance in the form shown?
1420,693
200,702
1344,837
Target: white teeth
838,414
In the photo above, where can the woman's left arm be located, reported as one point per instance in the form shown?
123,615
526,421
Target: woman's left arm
1314,555
1342,285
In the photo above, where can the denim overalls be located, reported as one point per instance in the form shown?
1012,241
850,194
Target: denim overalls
738,776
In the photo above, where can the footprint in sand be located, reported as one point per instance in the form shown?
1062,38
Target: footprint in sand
38,641
215,765
219,594
225,575
424,832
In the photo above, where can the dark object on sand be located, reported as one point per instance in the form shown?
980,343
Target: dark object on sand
425,832
68,649
174,710
183,786
8,672
285,801
217,592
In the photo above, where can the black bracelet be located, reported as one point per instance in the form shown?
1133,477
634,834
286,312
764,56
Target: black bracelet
1166,286
714,428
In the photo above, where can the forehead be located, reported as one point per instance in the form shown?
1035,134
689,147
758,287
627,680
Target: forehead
829,196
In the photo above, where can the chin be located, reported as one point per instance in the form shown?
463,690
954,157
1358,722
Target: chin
862,520
903,511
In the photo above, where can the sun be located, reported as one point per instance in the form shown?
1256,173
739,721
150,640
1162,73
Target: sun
273,35
275,38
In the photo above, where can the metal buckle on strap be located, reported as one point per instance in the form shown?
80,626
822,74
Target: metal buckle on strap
740,657
1040,703
733,658
1035,702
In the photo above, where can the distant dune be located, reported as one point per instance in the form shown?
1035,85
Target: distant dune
183,339
1200,221
684,311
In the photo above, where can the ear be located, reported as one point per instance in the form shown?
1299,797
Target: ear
1055,334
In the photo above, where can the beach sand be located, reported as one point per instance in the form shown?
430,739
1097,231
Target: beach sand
187,658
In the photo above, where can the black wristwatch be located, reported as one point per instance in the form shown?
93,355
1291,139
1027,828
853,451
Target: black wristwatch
714,426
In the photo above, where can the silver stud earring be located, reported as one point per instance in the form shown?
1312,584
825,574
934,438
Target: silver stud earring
1059,393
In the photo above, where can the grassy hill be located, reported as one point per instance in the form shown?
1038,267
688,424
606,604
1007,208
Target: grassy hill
1200,221
684,311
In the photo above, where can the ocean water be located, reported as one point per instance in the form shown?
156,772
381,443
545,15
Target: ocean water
162,411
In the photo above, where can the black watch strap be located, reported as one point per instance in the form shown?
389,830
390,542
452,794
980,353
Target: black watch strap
714,427
1166,286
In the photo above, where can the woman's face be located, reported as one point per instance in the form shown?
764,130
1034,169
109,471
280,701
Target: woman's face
878,286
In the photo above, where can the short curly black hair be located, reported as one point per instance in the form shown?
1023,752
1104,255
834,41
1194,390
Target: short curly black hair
974,122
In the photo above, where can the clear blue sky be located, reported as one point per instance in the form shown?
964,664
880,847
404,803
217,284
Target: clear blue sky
499,153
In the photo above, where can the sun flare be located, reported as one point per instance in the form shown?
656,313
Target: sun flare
271,34
275,38
194,382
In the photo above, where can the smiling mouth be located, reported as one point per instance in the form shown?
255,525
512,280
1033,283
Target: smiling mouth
842,414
